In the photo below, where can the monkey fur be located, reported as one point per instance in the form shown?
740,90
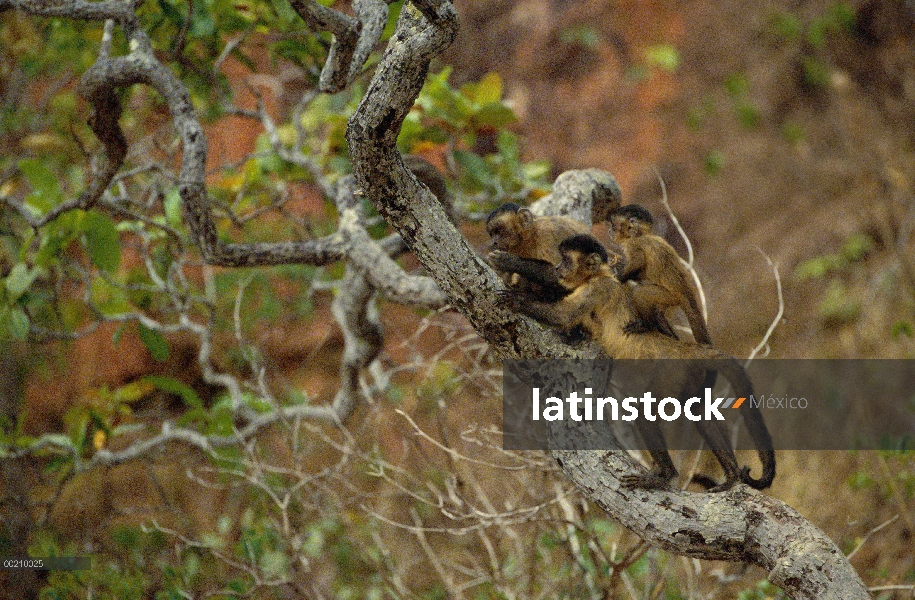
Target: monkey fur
603,306
517,231
663,281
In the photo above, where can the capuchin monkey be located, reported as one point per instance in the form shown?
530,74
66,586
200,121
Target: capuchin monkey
663,281
599,302
515,230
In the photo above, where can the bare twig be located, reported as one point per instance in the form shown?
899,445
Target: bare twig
764,343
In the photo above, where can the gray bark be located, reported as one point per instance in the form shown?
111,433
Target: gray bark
740,525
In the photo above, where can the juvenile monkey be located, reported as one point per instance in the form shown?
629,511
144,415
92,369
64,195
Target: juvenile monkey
539,275
515,230
663,281
602,305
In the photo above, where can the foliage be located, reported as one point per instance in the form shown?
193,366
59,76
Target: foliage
471,122
763,591
837,306
126,274
812,38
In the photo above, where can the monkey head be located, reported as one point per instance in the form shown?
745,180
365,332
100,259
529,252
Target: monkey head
583,257
629,221
508,226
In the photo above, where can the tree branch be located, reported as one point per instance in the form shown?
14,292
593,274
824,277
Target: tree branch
410,208
739,525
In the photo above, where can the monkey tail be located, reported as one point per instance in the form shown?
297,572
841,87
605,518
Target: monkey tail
753,418
696,322
700,332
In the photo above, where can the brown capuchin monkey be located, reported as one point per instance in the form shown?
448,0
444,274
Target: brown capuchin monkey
663,281
599,302
515,230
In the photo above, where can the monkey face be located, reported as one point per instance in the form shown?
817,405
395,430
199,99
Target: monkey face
575,269
504,233
619,227
624,227
638,227
500,236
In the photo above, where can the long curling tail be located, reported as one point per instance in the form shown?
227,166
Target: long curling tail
696,322
743,387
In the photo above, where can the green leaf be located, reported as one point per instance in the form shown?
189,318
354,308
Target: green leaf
15,323
793,132
102,241
843,16
507,143
20,279
172,206
857,246
43,181
178,388
154,342
816,35
902,329
192,416
813,268
816,73
748,115
474,166
737,85
663,56
202,24
714,162
580,34
485,91
537,169
495,114
109,298
837,307
274,563
785,25
257,403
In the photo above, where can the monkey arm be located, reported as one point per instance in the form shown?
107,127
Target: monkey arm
635,262
537,271
564,314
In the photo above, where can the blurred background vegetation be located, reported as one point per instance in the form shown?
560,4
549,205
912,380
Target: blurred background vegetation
786,126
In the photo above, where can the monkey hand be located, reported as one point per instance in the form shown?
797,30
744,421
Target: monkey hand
499,259
645,481
509,297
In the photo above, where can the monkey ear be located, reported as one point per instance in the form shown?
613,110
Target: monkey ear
612,259
593,261
526,216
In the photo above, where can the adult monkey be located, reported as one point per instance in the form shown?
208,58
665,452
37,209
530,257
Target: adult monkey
517,231
597,301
